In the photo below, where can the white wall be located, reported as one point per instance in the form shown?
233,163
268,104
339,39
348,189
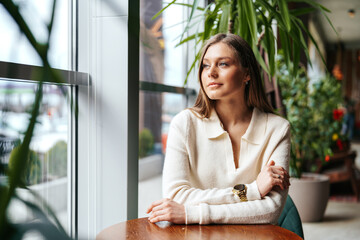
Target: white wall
107,149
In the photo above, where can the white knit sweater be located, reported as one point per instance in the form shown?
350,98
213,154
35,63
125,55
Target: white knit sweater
199,169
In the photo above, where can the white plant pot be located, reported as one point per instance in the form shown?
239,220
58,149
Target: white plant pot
310,194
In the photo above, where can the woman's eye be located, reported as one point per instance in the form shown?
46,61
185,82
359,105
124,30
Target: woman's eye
205,65
223,64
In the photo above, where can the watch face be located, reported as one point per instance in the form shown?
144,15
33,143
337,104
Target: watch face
240,187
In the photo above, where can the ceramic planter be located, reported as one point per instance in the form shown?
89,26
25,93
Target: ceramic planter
310,194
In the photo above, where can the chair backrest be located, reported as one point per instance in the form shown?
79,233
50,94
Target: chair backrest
290,218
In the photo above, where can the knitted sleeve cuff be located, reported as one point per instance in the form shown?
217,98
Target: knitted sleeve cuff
252,192
197,214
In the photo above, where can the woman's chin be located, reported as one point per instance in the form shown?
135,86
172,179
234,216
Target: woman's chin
213,96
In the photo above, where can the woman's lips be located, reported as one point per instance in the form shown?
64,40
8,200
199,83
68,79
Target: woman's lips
214,84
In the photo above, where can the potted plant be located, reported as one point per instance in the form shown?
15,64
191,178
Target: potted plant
309,109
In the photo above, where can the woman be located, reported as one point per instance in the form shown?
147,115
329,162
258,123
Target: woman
226,157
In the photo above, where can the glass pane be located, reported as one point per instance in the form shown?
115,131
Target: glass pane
14,46
156,113
160,62
47,173
175,57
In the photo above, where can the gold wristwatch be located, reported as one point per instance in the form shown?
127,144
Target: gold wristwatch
240,191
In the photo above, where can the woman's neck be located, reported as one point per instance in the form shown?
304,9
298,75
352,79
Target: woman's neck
233,112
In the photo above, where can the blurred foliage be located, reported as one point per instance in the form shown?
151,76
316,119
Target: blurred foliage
33,173
6,146
146,142
253,20
56,158
309,109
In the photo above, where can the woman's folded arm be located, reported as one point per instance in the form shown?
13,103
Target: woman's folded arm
264,211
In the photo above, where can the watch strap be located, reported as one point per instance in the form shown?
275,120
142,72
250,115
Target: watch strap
241,193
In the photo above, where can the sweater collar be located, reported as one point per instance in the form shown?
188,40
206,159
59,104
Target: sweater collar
253,134
213,125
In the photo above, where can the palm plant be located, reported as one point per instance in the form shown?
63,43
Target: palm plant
49,228
253,20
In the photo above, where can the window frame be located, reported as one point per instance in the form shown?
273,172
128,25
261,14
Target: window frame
72,79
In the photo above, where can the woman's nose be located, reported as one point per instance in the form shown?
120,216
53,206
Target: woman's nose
212,72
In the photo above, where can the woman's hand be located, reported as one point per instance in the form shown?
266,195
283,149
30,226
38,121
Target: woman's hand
167,210
271,176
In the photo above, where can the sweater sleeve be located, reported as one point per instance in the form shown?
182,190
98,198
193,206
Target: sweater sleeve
176,173
266,210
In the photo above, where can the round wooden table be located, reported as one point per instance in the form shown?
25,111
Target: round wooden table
142,229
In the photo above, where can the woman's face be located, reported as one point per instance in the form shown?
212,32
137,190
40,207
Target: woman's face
222,76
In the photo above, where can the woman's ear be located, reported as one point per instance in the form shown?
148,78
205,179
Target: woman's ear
246,77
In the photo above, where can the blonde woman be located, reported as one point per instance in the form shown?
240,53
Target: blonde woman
227,157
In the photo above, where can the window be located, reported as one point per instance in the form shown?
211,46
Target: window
52,157
163,68
47,172
102,163
16,48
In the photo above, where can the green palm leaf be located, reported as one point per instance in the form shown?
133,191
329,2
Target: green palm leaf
251,18
285,14
224,18
163,9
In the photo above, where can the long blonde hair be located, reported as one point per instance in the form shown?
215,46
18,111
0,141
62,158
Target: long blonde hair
254,90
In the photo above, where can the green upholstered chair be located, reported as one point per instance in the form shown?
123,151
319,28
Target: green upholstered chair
290,218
